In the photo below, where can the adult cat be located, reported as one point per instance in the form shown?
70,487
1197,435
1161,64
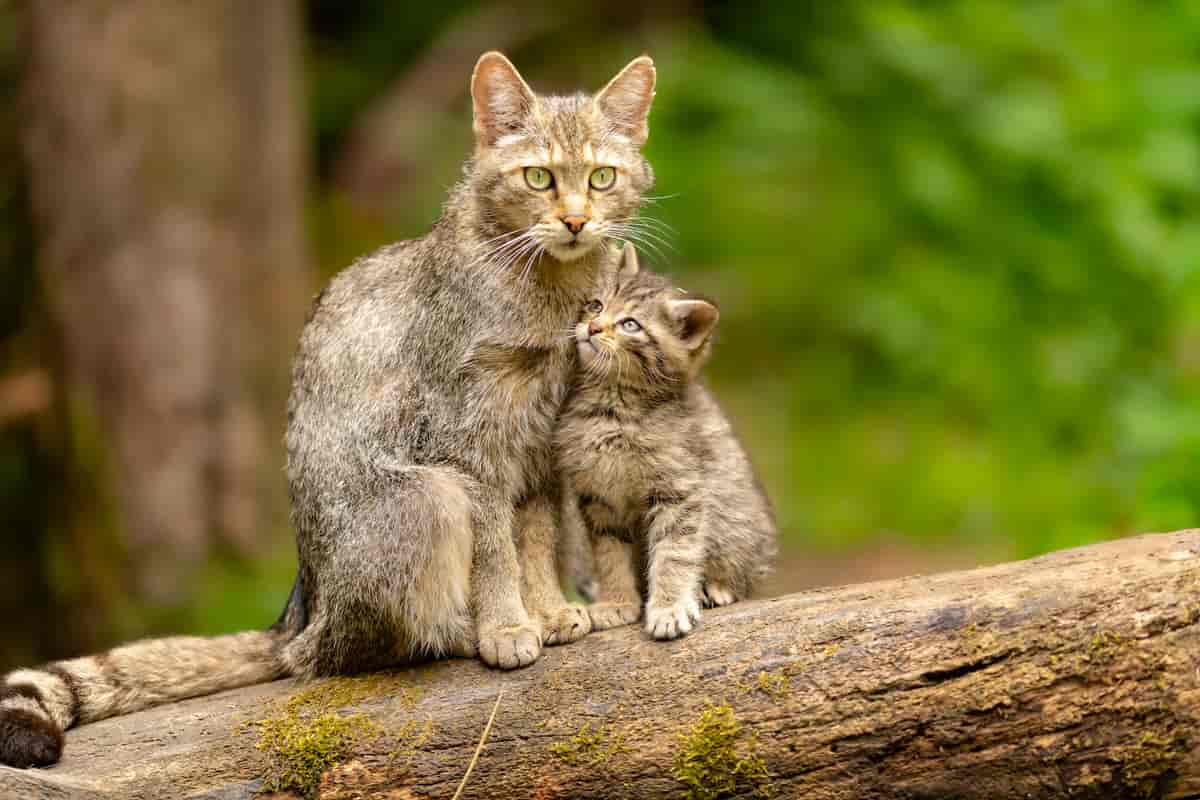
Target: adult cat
423,400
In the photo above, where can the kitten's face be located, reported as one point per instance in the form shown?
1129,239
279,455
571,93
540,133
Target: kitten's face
643,332
557,174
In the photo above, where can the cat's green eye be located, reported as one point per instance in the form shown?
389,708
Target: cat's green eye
630,325
538,178
594,307
603,178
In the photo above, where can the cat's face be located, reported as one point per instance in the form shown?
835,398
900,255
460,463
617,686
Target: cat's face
642,332
557,174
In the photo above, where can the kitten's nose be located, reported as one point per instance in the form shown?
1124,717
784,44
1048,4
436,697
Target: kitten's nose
593,328
575,222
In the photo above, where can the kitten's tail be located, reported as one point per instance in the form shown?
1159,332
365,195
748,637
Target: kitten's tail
37,705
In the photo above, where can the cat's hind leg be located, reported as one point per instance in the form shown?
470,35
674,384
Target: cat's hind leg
397,584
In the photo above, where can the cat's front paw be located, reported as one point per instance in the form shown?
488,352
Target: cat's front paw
613,615
510,647
564,625
672,621
717,594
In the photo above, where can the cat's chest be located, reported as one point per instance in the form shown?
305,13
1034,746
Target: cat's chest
513,398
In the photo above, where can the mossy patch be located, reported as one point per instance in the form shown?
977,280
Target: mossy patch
591,747
773,684
308,733
299,748
718,759
1145,765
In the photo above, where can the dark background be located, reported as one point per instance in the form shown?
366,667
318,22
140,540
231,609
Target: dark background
955,243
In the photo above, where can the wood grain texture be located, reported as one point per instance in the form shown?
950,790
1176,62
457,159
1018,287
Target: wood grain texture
1076,674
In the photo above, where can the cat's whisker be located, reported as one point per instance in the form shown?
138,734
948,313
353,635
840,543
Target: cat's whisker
516,255
658,224
662,236
495,259
653,235
495,245
505,235
533,258
642,242
511,244
648,221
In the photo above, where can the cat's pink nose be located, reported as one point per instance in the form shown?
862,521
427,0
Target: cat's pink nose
575,222
593,328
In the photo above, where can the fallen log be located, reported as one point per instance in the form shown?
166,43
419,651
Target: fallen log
1076,674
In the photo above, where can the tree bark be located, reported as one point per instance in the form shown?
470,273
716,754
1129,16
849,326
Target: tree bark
164,148
1072,675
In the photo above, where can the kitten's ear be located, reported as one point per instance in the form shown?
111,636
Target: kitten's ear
625,102
500,97
696,320
629,262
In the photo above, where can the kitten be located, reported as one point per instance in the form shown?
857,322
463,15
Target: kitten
652,469
420,422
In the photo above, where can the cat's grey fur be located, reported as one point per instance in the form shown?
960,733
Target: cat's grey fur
653,471
420,422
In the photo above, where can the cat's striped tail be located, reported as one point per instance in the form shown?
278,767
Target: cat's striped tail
37,705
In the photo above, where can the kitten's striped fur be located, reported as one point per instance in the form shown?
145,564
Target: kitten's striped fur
653,471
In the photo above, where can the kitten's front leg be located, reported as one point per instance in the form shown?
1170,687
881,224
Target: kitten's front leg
617,599
561,622
677,551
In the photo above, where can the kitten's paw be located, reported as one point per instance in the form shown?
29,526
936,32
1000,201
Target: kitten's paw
564,625
613,615
510,647
673,621
717,594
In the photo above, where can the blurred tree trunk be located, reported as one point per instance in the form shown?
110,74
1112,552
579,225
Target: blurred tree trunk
165,152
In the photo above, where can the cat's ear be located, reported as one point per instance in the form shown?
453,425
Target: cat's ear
625,102
629,262
501,99
695,320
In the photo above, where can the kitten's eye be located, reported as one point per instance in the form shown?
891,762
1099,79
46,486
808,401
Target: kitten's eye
538,178
602,178
594,307
630,325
